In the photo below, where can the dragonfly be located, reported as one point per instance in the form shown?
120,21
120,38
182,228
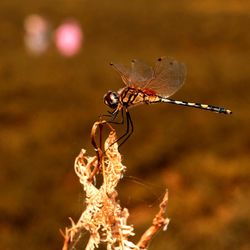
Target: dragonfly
149,85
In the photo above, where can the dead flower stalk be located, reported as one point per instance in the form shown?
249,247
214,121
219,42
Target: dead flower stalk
103,217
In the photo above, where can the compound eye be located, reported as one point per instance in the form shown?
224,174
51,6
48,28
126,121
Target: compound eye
111,99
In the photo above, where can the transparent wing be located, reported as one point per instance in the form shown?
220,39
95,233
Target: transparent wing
169,76
124,72
139,74
165,78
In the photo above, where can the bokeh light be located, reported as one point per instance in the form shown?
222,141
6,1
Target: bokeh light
68,38
37,34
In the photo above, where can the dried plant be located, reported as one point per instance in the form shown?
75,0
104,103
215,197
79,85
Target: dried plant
103,217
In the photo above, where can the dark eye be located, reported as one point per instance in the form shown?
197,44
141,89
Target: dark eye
111,99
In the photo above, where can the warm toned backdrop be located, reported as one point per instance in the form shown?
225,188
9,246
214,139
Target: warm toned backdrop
49,103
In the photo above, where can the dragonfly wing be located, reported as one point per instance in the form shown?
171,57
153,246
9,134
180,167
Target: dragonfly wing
141,73
124,72
169,76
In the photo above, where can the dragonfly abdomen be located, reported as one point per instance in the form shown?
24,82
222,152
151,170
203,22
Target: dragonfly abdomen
197,105
131,97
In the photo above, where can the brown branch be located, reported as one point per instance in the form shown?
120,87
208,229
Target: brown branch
159,222
103,216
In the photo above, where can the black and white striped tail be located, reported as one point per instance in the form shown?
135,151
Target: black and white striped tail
197,105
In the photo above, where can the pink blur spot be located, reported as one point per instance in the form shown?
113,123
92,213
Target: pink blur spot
68,38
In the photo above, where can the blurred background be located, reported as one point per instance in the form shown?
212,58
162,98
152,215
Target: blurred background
51,92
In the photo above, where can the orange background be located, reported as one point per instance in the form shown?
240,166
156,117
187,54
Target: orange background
49,103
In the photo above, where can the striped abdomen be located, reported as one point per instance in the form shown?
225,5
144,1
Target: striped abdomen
130,97
197,105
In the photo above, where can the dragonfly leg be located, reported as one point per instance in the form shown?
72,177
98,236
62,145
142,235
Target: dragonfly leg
129,124
129,130
113,116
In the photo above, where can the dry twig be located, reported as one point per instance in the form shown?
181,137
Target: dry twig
103,216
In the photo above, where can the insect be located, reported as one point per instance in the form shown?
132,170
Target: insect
148,85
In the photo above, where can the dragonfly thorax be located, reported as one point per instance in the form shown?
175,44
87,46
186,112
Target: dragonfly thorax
111,99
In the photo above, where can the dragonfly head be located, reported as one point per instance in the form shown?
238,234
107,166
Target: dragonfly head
111,99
